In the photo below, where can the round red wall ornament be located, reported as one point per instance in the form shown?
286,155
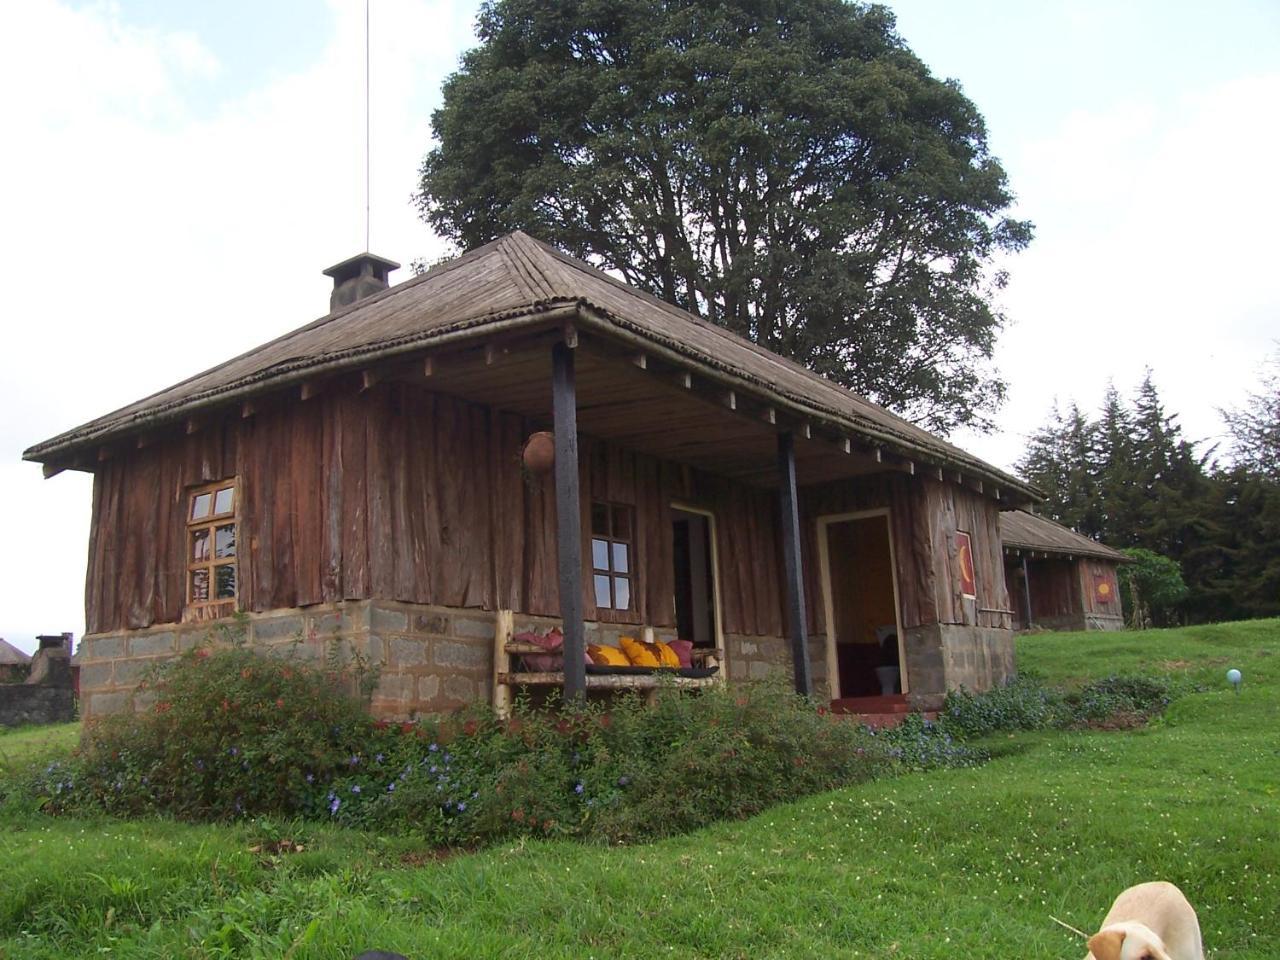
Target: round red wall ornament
539,452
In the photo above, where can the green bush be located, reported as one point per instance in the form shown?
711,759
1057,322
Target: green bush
1023,703
634,771
225,733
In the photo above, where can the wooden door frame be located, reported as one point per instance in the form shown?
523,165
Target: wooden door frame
717,624
824,566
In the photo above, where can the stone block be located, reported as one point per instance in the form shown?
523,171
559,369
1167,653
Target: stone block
106,648
278,628
746,648
428,688
190,639
327,624
407,652
395,686
468,656
387,620
151,644
760,671
737,669
95,675
436,624
473,629
132,671
459,689
374,647
104,703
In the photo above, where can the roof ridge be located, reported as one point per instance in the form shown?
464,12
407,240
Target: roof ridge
523,266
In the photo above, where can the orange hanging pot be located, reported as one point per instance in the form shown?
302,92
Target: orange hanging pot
539,453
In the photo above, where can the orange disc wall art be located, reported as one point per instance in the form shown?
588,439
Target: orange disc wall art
964,561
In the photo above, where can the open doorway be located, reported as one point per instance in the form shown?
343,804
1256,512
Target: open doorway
860,591
697,603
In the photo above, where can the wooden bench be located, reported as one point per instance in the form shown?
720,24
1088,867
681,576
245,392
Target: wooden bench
505,678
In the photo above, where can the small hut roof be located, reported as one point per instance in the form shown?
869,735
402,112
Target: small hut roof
511,282
11,654
1021,530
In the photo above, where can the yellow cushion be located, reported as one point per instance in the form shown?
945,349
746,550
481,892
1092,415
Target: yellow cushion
603,656
666,656
638,653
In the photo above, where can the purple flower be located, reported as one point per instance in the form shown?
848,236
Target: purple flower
379,758
461,806
391,787
334,804
577,788
199,764
623,780
355,788
354,761
434,747
234,751
311,778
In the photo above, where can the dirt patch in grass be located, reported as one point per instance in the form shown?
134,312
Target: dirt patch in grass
1120,721
1192,664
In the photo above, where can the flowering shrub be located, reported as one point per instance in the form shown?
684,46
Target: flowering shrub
227,733
921,744
1025,703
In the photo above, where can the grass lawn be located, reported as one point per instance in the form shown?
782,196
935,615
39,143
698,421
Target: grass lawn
20,746
960,863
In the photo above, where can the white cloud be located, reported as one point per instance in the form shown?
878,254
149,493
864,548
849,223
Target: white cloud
145,240
1153,249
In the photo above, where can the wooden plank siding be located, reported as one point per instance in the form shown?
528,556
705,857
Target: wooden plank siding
403,494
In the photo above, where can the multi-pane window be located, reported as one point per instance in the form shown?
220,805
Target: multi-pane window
211,544
611,558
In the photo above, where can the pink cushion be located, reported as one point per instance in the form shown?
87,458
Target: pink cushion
683,651
553,643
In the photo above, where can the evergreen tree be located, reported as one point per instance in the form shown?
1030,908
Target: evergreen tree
1118,495
1255,427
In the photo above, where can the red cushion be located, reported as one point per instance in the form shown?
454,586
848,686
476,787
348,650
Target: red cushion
551,661
683,650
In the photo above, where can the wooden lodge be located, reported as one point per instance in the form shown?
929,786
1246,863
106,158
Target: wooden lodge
360,480
1059,579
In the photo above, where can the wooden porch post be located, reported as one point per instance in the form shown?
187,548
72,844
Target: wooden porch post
564,405
793,571
1026,591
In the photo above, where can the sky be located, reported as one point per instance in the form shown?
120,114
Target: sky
177,174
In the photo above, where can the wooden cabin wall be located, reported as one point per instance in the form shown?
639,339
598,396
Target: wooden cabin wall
399,493
1055,589
924,515
1093,572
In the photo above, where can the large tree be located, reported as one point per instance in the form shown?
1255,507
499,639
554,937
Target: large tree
788,169
1255,426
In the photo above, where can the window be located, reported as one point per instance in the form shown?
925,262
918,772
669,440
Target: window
211,548
611,533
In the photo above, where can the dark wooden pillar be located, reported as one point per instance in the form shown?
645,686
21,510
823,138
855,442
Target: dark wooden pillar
564,404
792,569
1026,590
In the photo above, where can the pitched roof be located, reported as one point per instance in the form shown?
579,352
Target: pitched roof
512,280
11,654
1022,530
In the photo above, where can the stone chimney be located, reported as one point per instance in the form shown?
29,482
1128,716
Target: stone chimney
361,276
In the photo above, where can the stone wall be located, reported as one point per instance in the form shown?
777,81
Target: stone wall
948,656
759,658
46,696
22,703
429,659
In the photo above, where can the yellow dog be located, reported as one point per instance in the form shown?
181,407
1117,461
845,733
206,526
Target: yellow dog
1152,921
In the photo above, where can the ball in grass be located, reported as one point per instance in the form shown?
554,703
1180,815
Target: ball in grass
1234,677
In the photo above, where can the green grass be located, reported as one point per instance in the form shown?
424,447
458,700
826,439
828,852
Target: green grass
20,746
961,863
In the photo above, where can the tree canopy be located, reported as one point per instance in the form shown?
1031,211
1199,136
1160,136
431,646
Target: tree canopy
1130,479
788,169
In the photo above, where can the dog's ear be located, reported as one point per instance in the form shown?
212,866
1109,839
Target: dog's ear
1106,944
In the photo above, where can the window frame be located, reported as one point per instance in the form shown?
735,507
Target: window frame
214,606
611,539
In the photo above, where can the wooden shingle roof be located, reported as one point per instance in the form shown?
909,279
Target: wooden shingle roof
511,282
9,654
1021,530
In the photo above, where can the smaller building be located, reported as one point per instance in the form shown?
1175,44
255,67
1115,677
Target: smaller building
1057,578
14,664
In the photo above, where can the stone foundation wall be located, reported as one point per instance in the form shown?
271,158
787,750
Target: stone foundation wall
759,658
947,656
430,659
21,704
